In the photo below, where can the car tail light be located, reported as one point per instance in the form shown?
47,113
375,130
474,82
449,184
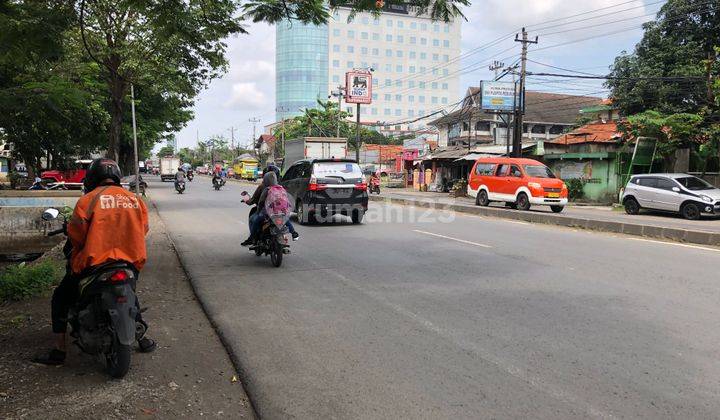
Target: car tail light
119,276
362,186
314,186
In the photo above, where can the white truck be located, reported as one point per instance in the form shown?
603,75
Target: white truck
314,148
168,167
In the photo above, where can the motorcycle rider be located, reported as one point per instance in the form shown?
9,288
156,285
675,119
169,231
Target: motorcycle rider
179,176
100,231
270,177
375,180
217,178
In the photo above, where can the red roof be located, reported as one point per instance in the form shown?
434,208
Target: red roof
597,132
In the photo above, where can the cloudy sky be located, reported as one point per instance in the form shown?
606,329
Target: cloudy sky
569,38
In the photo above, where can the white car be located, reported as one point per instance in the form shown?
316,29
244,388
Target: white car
678,193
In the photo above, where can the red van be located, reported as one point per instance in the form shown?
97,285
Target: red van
518,182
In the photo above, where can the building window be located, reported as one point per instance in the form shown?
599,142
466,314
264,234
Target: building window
336,48
423,56
411,84
336,32
388,82
364,65
423,41
400,24
399,39
445,72
444,100
434,99
388,53
421,85
411,113
556,129
376,21
434,85
413,40
336,79
412,54
422,70
411,98
349,110
364,35
350,64
388,97
350,49
336,63
375,51
446,58
435,72
363,51
421,99
446,43
388,38
374,111
445,86
399,53
398,112
398,98
375,82
436,42
399,68
376,36
389,23
387,111
423,26
447,29
351,34
365,20
412,69
375,96
413,25
398,83
436,57
482,126
538,129
388,68
421,113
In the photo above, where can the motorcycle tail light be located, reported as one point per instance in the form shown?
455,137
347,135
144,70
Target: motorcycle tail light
278,221
119,276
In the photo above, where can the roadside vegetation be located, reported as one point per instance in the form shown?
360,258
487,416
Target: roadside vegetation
24,281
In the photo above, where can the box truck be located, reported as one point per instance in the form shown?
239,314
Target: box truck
314,148
168,167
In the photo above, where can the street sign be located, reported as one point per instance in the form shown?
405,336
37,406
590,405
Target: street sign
358,87
498,96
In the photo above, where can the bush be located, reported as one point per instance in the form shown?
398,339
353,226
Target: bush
23,281
575,188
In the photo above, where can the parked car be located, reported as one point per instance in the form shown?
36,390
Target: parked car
324,187
72,178
685,194
518,182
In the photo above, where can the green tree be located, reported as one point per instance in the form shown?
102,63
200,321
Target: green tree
166,151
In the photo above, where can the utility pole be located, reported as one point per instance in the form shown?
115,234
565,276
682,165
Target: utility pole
232,141
135,148
339,94
357,136
520,109
254,120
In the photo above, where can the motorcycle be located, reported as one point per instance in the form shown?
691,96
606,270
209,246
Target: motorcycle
180,186
374,185
143,185
218,183
273,238
103,319
190,176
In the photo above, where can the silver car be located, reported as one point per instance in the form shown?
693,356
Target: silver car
679,193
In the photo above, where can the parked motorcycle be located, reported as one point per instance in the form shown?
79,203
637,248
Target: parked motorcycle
273,239
103,317
180,186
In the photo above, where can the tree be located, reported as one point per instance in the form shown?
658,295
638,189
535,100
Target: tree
166,151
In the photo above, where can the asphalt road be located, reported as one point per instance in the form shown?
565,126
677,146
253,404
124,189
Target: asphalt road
436,315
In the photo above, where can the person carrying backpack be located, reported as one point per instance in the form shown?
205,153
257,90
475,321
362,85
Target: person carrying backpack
269,187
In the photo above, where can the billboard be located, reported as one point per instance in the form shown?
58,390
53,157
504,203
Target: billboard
498,96
358,87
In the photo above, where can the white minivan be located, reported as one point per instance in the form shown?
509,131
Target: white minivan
678,193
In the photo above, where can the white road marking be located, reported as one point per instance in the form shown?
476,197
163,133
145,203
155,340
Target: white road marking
452,239
704,248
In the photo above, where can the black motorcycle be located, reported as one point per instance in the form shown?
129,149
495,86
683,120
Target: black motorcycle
180,186
218,183
190,175
103,318
273,238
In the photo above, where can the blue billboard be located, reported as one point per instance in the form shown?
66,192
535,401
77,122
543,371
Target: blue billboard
498,96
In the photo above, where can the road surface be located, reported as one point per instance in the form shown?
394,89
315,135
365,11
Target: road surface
436,315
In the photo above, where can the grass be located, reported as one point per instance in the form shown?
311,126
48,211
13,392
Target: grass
23,281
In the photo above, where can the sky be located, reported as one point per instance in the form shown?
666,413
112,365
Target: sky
568,37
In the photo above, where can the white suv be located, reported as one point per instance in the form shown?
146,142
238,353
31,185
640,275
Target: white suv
679,193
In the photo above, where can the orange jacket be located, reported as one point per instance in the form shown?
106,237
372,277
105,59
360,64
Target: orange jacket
108,224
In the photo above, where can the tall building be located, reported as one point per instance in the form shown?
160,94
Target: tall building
412,58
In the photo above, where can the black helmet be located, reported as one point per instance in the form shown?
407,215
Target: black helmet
100,170
272,167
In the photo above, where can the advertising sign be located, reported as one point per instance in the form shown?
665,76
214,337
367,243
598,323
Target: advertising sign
575,170
358,87
498,96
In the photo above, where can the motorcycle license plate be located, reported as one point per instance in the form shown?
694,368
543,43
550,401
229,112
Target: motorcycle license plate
553,195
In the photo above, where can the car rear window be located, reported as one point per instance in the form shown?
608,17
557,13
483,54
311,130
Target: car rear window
342,170
539,171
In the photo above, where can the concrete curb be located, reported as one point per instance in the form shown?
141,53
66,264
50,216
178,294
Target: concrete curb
658,232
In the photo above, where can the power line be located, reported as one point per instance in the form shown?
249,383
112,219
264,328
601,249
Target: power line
597,77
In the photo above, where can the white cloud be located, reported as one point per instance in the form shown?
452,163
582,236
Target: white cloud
246,96
252,71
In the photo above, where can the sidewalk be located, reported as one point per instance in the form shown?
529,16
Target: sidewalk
655,225
189,375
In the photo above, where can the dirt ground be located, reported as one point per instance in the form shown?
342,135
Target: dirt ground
189,375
